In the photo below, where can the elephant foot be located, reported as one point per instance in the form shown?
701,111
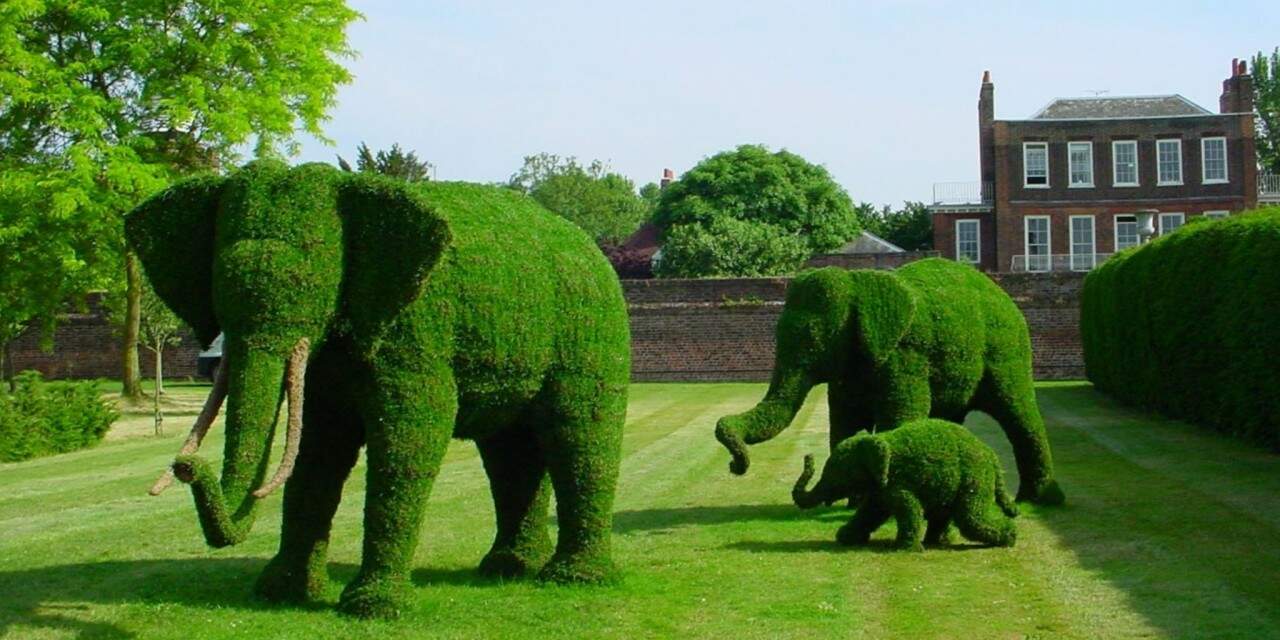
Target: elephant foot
908,545
579,569
383,597
282,581
509,563
1044,493
940,536
853,536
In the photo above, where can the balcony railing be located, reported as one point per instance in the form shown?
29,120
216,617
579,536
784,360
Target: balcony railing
962,193
1269,187
1045,263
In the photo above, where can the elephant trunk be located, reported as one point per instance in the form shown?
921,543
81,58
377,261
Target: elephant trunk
227,506
767,419
800,493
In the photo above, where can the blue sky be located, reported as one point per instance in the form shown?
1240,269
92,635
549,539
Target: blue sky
881,93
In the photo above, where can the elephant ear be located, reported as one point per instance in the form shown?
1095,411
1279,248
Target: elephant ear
172,233
873,455
883,309
394,237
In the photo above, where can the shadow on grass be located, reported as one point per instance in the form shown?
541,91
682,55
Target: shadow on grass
884,545
56,598
640,520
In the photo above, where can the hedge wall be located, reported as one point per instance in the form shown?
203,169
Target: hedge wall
43,418
1189,325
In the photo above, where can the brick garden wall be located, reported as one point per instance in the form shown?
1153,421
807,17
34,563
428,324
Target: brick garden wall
681,330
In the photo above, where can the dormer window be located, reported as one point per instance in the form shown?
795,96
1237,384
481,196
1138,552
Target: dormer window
1035,164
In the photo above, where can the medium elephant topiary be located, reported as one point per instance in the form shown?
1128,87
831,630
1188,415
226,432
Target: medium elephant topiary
412,315
924,472
934,338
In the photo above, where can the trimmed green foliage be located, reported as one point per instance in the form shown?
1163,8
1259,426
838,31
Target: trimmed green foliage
43,418
781,194
933,339
1187,325
434,310
930,472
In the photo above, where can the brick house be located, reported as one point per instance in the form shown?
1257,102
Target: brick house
1059,190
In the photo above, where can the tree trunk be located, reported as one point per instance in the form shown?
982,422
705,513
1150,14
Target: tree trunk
159,370
155,400
131,377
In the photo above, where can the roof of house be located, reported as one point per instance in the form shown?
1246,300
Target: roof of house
1119,107
868,242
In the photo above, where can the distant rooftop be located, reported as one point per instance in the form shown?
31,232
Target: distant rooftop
868,242
1120,107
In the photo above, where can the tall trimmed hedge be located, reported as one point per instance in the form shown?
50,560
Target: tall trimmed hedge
43,418
1189,325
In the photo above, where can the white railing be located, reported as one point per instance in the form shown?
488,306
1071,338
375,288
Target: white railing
958,193
1269,187
1046,263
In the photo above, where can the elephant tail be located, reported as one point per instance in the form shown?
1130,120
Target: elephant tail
1003,499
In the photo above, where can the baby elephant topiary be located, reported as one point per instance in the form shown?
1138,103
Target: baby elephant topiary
927,471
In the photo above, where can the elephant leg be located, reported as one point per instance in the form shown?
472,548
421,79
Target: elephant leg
980,520
909,514
331,439
581,438
1010,398
904,394
408,427
939,530
521,493
857,531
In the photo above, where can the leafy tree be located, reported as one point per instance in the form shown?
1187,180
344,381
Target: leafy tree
159,328
103,102
603,203
1266,106
780,191
393,162
651,194
728,247
910,227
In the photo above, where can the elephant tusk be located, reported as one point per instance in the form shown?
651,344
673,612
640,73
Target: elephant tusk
200,429
294,378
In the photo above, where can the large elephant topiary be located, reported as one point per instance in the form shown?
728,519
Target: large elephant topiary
412,314
932,339
924,472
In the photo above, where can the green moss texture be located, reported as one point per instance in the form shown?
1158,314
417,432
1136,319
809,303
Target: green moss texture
434,311
926,475
932,339
1189,325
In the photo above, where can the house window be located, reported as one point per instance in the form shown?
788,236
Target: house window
1035,164
1126,232
968,244
1080,155
1083,250
1124,163
1216,214
1213,160
1168,162
1037,243
1170,221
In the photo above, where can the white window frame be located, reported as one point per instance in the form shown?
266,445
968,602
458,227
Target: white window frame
1115,167
977,235
1093,241
1048,239
1204,167
1182,219
1217,214
1160,181
1115,231
1026,146
1071,171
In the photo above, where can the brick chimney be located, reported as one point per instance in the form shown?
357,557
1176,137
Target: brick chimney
1237,91
668,176
986,128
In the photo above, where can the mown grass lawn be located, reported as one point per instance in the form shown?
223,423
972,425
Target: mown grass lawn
1169,532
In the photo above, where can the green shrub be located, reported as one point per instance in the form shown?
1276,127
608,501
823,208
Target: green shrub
1189,325
43,418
